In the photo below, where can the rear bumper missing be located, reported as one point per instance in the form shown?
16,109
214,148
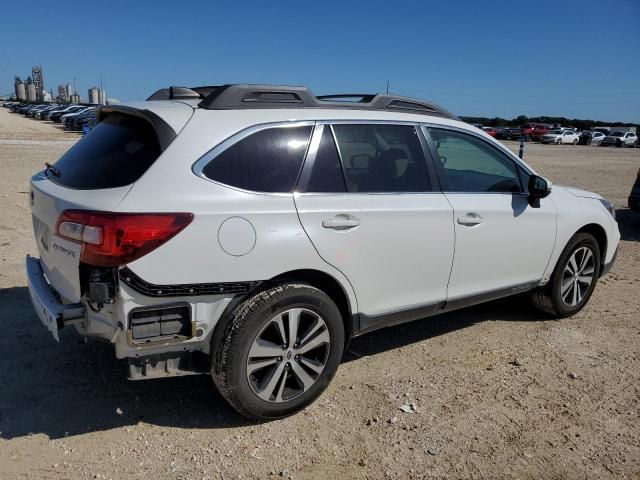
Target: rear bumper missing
52,312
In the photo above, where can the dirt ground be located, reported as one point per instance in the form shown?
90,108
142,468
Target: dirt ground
502,391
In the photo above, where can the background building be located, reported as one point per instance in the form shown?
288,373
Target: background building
97,96
38,82
63,95
21,92
31,90
93,95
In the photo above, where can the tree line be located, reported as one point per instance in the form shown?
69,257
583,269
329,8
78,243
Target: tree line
520,120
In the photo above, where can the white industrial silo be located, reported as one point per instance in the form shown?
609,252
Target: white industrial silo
94,95
21,93
31,92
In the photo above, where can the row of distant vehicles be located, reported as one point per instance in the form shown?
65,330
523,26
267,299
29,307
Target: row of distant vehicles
548,134
76,117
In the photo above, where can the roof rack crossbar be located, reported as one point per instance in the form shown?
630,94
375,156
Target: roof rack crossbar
246,96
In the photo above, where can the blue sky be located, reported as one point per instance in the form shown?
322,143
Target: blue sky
572,58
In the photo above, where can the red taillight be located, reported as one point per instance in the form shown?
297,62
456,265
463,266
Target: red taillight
114,239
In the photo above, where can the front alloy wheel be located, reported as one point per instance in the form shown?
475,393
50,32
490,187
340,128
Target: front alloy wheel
573,280
577,276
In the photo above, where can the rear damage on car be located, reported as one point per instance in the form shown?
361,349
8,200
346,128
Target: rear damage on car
85,244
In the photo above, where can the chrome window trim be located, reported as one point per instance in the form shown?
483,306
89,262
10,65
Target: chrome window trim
314,143
199,165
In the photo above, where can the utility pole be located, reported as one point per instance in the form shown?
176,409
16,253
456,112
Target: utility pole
387,87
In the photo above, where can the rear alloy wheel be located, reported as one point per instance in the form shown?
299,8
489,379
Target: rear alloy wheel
559,141
573,279
282,364
278,351
575,142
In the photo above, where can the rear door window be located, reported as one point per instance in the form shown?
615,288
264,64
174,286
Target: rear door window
266,161
116,153
382,158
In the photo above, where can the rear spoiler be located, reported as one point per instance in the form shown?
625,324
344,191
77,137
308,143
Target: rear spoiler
164,132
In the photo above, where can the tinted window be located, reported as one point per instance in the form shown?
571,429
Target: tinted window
326,174
116,153
266,161
382,158
472,165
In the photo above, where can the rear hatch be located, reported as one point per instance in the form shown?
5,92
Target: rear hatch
95,174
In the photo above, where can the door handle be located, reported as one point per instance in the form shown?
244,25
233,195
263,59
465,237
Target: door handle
338,223
470,219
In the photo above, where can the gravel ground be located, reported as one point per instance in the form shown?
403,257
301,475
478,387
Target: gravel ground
501,391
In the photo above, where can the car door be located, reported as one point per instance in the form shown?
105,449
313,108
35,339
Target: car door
367,201
503,244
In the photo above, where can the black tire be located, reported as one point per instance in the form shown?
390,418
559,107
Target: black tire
233,340
559,141
548,299
575,142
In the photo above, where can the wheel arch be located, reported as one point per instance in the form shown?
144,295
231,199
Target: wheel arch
329,285
600,234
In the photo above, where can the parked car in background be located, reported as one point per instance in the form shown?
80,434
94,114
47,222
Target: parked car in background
513,133
539,131
620,139
76,122
590,137
490,131
40,115
527,130
501,133
634,197
262,274
67,116
57,117
559,136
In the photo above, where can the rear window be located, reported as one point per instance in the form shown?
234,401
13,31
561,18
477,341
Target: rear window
116,153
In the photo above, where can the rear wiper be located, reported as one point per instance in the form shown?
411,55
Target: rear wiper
52,170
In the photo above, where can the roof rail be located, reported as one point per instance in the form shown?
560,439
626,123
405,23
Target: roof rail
174,93
246,96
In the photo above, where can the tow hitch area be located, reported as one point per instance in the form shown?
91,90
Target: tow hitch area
51,311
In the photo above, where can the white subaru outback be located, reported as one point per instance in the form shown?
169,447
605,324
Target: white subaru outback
251,231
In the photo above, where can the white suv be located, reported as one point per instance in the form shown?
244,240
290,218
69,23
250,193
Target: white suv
250,231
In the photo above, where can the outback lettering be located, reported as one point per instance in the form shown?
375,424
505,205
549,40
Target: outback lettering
64,250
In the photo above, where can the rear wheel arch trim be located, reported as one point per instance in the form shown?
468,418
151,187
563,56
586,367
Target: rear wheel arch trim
316,278
330,285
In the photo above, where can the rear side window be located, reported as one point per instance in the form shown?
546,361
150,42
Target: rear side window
382,158
266,161
116,153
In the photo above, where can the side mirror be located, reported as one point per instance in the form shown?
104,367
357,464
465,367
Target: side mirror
538,188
